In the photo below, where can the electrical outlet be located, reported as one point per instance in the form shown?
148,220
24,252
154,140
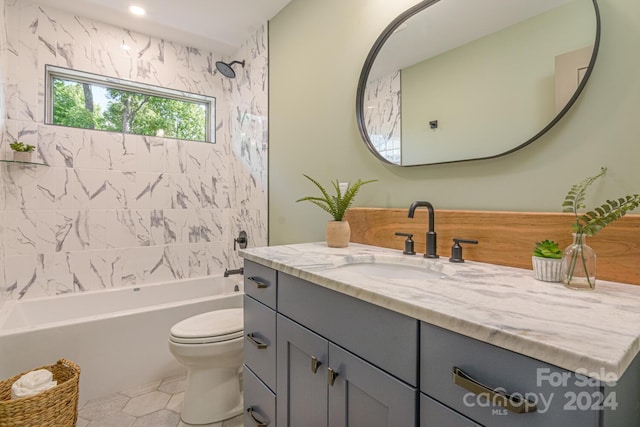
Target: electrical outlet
343,187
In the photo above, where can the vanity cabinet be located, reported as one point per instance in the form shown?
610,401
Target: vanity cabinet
335,360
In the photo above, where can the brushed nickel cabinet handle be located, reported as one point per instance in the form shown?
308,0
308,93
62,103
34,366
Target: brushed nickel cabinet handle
253,418
331,376
514,404
259,345
315,364
258,282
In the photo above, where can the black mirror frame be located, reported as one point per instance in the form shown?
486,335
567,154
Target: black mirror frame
390,29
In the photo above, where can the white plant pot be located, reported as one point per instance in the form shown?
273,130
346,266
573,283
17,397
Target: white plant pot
547,269
22,156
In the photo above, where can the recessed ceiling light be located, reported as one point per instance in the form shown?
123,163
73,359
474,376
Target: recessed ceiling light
137,10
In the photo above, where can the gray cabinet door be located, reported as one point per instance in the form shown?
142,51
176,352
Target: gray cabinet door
363,395
301,376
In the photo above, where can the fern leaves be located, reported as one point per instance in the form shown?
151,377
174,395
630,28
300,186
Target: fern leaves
336,205
592,222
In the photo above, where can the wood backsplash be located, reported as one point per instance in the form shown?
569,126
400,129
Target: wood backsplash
505,238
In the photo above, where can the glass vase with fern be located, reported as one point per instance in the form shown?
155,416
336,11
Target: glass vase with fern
579,259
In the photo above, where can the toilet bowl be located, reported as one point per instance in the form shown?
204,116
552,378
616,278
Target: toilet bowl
210,346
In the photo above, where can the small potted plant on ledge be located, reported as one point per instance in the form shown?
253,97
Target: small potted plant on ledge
547,261
22,152
579,260
338,232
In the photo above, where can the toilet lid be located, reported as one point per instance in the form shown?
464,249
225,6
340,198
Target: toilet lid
214,326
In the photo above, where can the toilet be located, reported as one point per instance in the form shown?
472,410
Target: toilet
210,346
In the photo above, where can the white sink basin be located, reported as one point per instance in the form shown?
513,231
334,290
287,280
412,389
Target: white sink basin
394,267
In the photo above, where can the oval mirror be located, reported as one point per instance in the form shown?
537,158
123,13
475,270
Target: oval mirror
456,80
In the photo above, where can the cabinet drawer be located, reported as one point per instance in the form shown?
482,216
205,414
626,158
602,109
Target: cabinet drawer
260,340
434,414
385,338
260,283
259,402
557,394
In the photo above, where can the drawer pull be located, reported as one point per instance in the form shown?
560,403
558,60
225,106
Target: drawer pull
515,404
331,376
258,282
256,421
315,364
259,345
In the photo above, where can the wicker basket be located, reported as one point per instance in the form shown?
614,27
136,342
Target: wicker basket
56,407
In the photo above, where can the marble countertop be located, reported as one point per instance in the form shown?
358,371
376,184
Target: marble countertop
596,333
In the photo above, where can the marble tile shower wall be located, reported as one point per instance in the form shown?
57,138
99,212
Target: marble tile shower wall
114,210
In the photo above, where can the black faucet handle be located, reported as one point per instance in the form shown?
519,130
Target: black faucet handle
456,249
241,240
408,244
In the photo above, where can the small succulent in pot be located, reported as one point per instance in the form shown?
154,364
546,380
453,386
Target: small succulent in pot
547,249
21,151
547,261
21,147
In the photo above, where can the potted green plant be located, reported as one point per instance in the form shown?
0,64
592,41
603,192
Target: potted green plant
579,262
21,151
547,261
338,231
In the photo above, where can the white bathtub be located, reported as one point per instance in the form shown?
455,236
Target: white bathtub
118,337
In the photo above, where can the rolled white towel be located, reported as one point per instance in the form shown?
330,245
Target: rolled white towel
32,383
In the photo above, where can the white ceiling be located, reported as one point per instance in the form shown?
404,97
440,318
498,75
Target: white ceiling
219,26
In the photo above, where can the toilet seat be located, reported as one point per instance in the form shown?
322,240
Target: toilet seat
211,327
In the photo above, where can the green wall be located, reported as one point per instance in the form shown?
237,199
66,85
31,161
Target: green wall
317,49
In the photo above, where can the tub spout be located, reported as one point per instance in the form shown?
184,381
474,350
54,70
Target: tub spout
228,273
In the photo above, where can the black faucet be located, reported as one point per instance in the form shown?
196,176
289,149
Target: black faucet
431,234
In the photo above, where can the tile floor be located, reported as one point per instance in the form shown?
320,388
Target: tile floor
153,405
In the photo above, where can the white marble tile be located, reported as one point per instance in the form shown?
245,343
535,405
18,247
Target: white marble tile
105,195
150,153
56,274
20,232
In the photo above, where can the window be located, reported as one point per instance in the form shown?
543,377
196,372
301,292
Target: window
91,101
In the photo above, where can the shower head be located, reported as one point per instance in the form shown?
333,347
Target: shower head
226,70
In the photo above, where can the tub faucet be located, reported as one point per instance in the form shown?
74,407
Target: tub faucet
431,234
228,273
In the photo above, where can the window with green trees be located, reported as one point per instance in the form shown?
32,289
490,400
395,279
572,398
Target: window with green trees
90,101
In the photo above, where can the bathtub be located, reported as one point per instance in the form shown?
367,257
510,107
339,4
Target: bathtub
118,337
